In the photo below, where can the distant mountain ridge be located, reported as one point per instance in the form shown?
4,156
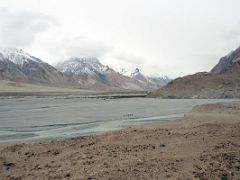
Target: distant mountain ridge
90,73
16,65
16,56
81,66
154,79
223,81
76,72
152,82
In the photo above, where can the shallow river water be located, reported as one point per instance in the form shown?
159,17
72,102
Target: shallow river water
42,118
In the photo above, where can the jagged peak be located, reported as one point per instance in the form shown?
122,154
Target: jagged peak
17,56
82,65
136,70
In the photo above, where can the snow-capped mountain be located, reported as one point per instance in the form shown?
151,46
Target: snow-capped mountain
159,79
92,74
153,81
87,73
16,65
81,66
136,74
125,72
16,56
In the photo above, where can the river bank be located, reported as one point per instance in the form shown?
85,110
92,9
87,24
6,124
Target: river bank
205,144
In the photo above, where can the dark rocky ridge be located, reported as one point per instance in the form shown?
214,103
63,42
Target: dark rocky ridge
227,63
223,81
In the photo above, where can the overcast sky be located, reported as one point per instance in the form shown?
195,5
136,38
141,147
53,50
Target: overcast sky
170,37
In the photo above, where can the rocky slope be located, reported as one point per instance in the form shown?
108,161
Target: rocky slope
18,66
91,74
223,81
227,63
84,73
150,82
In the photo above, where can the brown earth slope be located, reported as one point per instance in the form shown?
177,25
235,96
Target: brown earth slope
222,82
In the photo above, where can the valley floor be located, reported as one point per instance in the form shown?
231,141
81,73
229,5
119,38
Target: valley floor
205,144
10,88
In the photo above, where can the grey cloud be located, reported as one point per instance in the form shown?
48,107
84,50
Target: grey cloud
21,28
79,47
129,58
233,33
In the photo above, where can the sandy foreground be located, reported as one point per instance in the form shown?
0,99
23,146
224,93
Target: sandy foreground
205,144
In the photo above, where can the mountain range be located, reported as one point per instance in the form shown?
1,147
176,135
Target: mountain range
151,81
75,72
89,73
223,81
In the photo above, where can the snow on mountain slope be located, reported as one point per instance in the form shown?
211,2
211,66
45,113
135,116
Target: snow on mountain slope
87,72
125,72
82,66
16,65
159,79
136,74
17,56
152,81
90,73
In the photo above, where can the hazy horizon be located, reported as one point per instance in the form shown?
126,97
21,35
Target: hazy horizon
157,36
